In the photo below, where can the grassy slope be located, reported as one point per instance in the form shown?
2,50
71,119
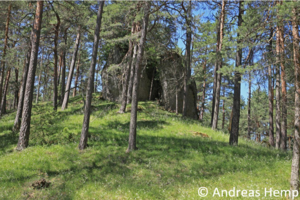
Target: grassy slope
171,163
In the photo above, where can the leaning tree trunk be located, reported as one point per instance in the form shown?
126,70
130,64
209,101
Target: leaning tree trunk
4,50
295,161
137,71
3,100
219,66
87,110
128,61
17,122
277,122
234,133
26,115
77,76
71,71
270,95
151,84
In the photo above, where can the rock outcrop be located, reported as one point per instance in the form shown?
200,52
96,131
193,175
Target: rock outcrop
171,73
111,76
160,78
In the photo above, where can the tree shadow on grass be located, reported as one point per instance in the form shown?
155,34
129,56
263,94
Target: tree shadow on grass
7,140
160,163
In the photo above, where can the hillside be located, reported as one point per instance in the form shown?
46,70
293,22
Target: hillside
176,156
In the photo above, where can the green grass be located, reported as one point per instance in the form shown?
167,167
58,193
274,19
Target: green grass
171,163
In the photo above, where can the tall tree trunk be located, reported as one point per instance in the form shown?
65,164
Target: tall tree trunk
16,99
249,107
177,96
283,89
63,70
97,73
38,89
277,122
26,115
295,161
71,71
151,85
4,50
17,122
56,30
234,134
270,95
39,81
137,71
59,71
218,74
3,100
203,91
130,84
223,107
87,110
216,70
187,74
77,76
128,61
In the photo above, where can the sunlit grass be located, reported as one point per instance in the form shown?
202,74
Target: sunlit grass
171,163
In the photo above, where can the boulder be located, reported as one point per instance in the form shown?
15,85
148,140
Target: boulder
171,72
168,72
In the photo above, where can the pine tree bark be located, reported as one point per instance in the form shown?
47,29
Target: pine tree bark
283,127
16,99
249,108
137,71
176,96
4,50
71,71
77,76
277,122
215,79
187,74
56,30
234,134
128,61
296,57
270,95
219,66
26,115
130,84
203,91
39,81
3,100
87,110
63,69
151,85
17,122
97,74
223,108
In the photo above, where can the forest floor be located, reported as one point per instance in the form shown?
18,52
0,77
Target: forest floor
176,156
